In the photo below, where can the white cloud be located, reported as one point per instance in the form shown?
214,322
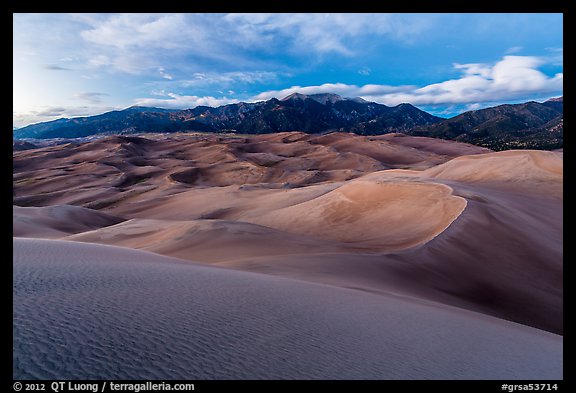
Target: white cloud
510,78
228,78
371,90
139,43
99,61
336,88
473,106
164,74
176,101
556,56
125,31
308,32
305,30
474,69
90,96
513,77
134,63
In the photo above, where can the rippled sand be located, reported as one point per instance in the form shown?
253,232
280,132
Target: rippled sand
84,311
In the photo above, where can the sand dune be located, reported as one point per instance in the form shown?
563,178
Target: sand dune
86,311
502,256
205,240
381,216
123,168
356,216
57,221
437,146
416,217
512,169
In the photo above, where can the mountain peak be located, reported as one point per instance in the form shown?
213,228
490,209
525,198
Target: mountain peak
557,99
325,98
322,98
359,100
138,108
295,96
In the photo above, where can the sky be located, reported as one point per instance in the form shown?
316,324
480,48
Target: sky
69,65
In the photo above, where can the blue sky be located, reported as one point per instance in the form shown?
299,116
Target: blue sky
67,65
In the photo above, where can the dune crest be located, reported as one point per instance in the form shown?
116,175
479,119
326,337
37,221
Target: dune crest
385,216
506,167
208,240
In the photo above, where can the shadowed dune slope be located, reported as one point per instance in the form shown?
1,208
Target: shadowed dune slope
57,221
135,315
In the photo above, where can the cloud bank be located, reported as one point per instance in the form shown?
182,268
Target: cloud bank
510,78
176,101
133,43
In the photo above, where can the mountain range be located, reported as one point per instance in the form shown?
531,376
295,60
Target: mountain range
528,125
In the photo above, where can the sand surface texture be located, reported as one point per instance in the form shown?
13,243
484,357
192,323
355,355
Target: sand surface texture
101,312
404,219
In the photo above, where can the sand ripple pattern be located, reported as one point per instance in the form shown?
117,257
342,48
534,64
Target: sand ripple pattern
85,311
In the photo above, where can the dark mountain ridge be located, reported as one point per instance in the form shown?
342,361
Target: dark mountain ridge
312,114
530,125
